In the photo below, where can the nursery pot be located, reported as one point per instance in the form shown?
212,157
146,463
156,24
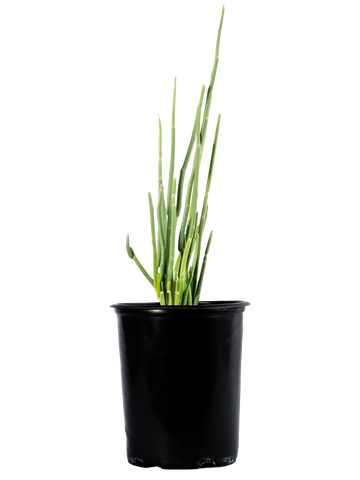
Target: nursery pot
180,371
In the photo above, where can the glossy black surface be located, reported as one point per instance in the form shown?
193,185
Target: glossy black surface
180,370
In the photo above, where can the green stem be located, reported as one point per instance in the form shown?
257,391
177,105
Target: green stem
171,249
203,268
150,208
173,137
183,266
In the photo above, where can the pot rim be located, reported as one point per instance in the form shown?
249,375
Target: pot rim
153,307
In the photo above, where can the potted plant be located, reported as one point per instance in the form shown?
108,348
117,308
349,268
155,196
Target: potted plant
181,358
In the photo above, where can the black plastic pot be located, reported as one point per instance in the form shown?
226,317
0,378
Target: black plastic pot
180,370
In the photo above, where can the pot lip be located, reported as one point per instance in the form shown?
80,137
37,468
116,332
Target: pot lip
153,307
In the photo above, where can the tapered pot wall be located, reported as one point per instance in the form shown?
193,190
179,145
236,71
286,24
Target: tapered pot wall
180,370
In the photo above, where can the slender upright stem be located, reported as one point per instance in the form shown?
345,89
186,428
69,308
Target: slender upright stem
172,157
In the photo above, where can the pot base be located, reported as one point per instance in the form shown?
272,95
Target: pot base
203,463
205,466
